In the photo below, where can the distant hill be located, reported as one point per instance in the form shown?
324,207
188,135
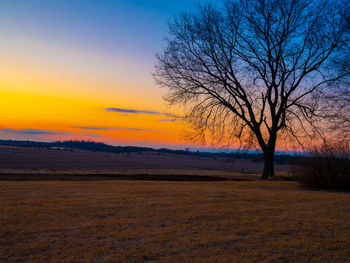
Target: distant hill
102,147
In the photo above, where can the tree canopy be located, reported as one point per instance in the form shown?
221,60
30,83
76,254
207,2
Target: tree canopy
259,70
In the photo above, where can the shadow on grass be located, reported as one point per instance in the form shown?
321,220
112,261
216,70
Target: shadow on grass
106,177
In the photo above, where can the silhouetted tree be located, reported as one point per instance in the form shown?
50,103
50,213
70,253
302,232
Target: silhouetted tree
257,69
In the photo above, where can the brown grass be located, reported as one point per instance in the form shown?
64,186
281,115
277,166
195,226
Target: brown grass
126,174
59,160
134,221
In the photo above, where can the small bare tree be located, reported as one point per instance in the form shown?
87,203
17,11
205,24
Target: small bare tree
257,69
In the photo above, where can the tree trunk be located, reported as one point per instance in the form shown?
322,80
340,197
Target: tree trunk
269,165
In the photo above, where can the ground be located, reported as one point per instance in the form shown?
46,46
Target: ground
148,221
78,160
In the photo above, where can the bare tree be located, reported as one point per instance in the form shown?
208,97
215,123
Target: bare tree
257,69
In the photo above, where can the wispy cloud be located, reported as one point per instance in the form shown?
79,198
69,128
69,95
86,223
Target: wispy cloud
133,111
136,129
92,135
38,132
110,128
165,120
34,132
97,128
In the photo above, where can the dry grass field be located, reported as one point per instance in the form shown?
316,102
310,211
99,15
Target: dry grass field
78,160
147,221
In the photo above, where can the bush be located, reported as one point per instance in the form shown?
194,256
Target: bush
328,167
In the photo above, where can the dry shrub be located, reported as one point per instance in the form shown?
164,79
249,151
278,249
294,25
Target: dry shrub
328,167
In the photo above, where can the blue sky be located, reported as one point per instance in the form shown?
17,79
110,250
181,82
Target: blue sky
85,63
128,28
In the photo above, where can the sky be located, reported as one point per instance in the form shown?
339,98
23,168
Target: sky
81,69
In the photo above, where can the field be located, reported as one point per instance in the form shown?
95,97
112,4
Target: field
148,221
59,205
35,159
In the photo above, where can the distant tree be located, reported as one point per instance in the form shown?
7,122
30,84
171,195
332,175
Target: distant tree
257,70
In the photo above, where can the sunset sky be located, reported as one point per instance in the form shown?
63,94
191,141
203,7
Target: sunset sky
81,69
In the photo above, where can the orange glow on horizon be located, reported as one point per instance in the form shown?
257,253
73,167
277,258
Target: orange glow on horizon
52,88
84,119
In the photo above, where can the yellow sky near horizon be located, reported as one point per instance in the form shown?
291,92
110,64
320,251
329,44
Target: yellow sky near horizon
46,87
72,115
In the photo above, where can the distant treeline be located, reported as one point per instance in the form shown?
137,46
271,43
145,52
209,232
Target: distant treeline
102,147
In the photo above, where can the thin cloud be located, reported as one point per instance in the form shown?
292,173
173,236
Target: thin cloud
97,128
110,128
136,129
34,132
92,135
166,120
133,111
